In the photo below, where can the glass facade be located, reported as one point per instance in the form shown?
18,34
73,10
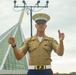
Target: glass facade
7,58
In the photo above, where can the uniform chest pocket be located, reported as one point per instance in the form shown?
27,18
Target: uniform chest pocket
47,46
32,46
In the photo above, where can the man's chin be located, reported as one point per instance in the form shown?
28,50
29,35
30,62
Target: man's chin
41,30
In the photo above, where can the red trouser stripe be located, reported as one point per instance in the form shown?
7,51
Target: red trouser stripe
51,72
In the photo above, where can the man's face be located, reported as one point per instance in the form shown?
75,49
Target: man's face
41,26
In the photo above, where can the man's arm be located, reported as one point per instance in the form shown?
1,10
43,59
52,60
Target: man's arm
60,48
18,53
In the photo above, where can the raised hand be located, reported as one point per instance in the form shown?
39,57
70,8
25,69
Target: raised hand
11,40
61,35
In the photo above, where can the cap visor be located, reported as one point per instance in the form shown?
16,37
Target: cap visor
40,21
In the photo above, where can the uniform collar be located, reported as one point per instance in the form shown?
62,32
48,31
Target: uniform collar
35,37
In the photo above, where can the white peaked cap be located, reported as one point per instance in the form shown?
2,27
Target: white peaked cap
41,17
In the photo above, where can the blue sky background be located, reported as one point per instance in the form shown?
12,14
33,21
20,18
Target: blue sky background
63,17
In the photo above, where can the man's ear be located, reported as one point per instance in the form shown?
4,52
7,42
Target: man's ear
35,25
46,25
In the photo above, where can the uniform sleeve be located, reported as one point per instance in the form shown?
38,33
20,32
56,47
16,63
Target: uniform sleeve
24,47
54,44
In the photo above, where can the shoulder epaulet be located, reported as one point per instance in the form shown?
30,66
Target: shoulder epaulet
50,38
28,39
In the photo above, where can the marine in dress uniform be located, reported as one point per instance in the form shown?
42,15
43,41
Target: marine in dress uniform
39,47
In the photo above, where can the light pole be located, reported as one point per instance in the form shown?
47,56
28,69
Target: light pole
37,5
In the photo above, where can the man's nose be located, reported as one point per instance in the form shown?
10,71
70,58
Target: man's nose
41,24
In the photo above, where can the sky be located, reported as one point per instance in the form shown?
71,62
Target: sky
63,17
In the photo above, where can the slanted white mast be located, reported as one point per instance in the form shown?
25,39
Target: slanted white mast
21,17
